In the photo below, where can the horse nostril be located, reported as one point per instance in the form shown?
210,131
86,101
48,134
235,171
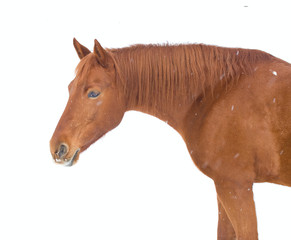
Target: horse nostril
62,150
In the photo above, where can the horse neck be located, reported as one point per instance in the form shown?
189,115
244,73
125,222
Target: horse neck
165,81
151,86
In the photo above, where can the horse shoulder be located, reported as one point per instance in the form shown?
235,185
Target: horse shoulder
232,136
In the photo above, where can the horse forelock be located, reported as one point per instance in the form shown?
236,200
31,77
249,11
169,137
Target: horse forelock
85,65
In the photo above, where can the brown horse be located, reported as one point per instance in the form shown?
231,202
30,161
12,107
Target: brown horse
231,106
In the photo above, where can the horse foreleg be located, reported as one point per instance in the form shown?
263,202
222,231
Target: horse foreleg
225,229
239,206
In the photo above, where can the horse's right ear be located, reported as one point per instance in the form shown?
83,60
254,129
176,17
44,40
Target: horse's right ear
80,49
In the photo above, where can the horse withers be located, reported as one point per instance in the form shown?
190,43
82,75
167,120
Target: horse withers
230,105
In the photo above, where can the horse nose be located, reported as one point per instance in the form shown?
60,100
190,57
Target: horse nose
62,151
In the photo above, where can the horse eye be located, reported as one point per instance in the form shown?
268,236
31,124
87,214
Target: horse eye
93,94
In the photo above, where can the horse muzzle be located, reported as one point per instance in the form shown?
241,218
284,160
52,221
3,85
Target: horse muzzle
62,155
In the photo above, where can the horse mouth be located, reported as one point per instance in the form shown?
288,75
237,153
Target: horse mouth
68,162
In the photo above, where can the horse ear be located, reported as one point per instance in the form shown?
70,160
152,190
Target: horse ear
80,49
102,56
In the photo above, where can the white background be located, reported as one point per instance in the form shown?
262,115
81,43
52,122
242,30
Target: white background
138,182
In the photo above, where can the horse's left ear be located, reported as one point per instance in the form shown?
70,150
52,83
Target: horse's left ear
80,49
102,56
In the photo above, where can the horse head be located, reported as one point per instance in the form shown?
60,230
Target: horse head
95,106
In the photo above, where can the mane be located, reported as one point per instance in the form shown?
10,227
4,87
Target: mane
162,74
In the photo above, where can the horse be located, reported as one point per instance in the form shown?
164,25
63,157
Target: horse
230,105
